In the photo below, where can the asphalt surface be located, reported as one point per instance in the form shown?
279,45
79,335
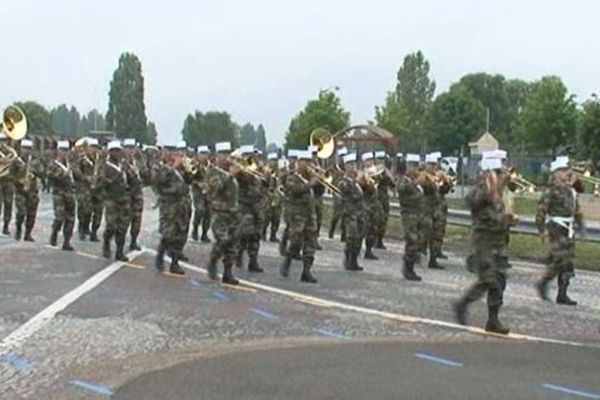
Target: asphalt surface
78,326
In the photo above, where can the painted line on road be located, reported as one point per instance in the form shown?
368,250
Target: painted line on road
239,288
328,333
195,282
81,253
17,362
220,295
313,302
135,266
573,391
25,331
394,316
263,313
93,387
439,360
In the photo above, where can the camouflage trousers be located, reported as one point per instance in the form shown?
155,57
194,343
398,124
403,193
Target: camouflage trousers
84,209
272,219
116,219
225,229
7,191
175,216
562,252
303,235
250,229
438,229
136,200
318,213
489,261
336,217
385,213
97,209
355,230
27,205
372,220
64,212
412,224
201,211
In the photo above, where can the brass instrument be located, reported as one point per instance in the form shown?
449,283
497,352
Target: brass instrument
324,141
187,164
7,156
28,176
14,123
96,173
249,168
584,174
324,180
520,184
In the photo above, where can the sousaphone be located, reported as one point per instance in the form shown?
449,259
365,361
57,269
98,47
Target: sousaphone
324,141
14,123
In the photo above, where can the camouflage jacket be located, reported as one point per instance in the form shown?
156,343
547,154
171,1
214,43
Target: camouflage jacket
410,194
170,184
352,198
18,171
558,200
298,193
487,215
199,180
251,192
137,175
384,184
83,172
222,190
113,180
60,176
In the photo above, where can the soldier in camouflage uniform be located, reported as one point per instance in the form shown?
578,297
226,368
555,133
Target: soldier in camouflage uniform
171,182
251,198
409,184
385,183
283,244
222,190
7,190
557,217
274,208
353,212
25,171
83,173
61,181
301,218
137,177
337,203
489,229
201,209
432,212
116,201
373,207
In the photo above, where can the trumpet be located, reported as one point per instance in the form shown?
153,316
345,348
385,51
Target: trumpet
324,180
519,184
585,175
250,168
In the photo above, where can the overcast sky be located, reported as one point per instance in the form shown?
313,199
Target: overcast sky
261,60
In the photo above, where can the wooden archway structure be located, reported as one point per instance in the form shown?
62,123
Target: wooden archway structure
375,134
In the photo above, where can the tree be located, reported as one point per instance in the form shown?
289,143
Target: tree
325,111
74,121
414,91
455,119
60,119
393,117
589,130
272,148
92,121
152,133
261,138
39,121
548,119
209,128
126,110
247,134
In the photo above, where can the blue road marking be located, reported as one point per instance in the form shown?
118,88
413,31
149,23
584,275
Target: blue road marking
337,335
92,387
263,313
220,295
571,390
194,282
439,360
17,362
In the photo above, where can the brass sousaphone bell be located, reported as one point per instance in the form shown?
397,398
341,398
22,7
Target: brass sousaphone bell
324,141
14,123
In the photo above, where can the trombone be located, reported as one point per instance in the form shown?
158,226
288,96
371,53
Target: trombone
324,180
520,184
585,175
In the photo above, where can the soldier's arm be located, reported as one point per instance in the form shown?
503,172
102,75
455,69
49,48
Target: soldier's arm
579,223
295,186
542,210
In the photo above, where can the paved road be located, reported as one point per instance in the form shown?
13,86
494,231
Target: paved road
74,325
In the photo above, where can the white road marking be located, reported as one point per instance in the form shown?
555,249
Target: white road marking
25,331
390,315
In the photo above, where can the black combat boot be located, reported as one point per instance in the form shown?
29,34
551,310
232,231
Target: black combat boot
106,248
283,247
212,269
273,238
460,310
6,231
18,230
409,272
81,232
67,244
307,276
253,265
228,277
119,254
28,237
347,260
542,288
284,269
159,262
204,238
195,233
54,237
379,244
369,252
343,236
134,246
562,297
433,264
354,262
331,232
493,324
94,236
175,267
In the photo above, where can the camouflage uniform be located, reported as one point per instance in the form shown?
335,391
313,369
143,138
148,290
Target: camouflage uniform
373,217
489,233
97,202
353,218
337,207
384,184
175,213
116,204
61,181
83,172
26,199
222,190
318,192
251,198
7,191
273,209
201,209
137,175
285,205
439,212
301,224
411,197
559,202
